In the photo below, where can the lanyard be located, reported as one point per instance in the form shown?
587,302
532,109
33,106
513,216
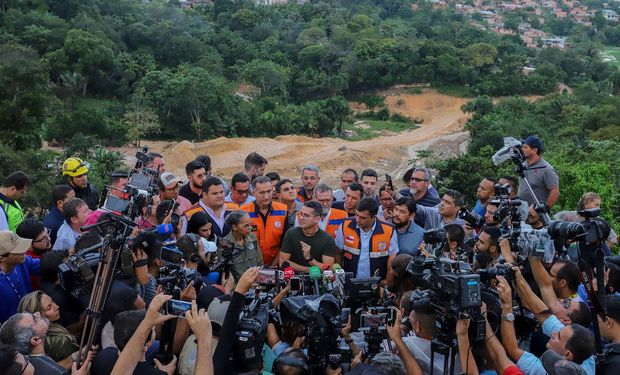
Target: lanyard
19,296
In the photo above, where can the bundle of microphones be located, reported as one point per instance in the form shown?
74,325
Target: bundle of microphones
317,281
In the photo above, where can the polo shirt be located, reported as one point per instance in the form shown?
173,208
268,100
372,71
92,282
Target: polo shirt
409,241
15,285
542,178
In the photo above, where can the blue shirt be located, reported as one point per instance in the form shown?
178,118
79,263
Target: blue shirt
248,200
532,365
53,221
409,241
363,265
66,238
479,208
18,286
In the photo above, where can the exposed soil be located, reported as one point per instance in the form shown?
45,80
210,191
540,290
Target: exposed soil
388,153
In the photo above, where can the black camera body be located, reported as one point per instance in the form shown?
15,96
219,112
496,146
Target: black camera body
591,231
474,220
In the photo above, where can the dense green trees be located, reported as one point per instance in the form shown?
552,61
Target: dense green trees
189,63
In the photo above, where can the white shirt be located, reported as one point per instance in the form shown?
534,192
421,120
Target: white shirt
65,238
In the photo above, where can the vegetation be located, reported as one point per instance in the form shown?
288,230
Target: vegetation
120,71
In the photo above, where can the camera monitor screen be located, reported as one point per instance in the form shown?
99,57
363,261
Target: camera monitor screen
170,255
116,204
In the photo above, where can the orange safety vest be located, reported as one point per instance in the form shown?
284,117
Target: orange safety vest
215,229
336,217
270,232
379,247
302,196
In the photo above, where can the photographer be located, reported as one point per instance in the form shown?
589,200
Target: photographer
307,245
609,324
246,248
574,342
488,251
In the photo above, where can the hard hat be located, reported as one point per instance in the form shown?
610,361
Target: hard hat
74,167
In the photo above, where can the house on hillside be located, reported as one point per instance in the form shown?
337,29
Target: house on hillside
610,15
553,42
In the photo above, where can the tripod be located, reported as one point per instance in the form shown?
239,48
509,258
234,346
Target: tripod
113,243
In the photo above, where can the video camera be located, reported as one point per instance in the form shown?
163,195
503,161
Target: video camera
474,220
592,230
173,276
453,293
141,185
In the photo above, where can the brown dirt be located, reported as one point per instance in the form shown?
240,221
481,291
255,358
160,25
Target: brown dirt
389,153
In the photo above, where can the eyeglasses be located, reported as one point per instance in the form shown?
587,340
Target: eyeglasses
27,360
417,179
46,237
242,192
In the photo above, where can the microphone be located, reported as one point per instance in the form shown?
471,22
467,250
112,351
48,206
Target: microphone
287,270
328,279
315,276
339,279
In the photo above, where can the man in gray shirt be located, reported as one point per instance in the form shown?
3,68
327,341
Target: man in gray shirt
540,174
445,213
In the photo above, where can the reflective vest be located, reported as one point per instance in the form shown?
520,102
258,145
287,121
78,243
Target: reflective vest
379,247
301,195
215,229
336,217
270,232
14,213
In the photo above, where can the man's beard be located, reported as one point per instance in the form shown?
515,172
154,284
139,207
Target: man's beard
400,225
195,186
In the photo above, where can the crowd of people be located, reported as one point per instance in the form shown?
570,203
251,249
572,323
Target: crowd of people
366,226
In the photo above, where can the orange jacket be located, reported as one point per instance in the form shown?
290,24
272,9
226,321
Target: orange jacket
269,232
336,217
379,247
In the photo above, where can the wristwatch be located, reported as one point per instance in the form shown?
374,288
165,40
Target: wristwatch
510,317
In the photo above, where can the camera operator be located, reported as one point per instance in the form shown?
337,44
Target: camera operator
422,319
533,218
558,289
490,218
246,247
221,359
445,213
117,182
540,174
574,342
487,248
307,245
368,245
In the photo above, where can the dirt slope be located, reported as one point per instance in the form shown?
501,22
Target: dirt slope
287,154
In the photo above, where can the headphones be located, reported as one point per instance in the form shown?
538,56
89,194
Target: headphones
195,257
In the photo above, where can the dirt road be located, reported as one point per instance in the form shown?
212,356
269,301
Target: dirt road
288,154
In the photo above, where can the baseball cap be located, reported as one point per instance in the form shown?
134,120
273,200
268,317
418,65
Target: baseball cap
534,142
555,364
12,243
210,247
168,179
217,310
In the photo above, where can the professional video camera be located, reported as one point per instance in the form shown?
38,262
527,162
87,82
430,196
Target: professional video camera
173,276
141,185
453,293
321,315
436,241
252,329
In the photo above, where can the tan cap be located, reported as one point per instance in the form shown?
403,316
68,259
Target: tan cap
12,243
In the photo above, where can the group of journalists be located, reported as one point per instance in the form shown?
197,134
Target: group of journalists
391,282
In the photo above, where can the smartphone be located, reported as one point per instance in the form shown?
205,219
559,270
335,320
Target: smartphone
170,255
388,182
372,321
178,307
345,313
267,277
295,282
